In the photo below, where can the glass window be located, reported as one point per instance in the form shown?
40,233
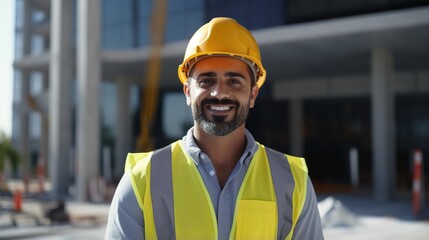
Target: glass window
17,86
37,16
118,24
421,128
37,45
174,27
260,8
194,3
175,6
118,36
182,20
36,83
108,99
176,115
19,11
145,9
35,125
134,98
144,32
248,13
311,10
331,128
19,45
15,124
194,19
412,132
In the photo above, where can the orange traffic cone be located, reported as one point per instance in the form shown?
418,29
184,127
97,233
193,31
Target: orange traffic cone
417,182
17,201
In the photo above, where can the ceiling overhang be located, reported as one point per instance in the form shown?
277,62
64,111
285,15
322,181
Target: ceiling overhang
340,46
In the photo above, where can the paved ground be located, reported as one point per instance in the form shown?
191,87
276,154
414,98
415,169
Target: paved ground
88,221
378,221
346,216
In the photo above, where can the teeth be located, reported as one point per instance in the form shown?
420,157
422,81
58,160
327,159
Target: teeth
220,108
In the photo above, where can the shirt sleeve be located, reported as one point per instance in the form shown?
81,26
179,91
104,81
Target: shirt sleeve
309,225
125,216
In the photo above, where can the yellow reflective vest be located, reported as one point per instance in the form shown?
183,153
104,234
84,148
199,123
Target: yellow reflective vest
255,216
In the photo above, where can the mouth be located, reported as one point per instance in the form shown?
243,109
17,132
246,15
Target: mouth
220,108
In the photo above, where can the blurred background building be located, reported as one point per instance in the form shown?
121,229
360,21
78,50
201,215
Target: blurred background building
342,75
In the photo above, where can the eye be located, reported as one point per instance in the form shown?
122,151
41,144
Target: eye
205,81
234,81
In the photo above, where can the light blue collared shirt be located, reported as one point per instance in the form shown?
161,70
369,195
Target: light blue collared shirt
126,217
223,199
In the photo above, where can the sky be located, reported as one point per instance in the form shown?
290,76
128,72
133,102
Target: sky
7,13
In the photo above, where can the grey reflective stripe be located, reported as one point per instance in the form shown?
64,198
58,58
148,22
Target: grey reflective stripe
283,185
162,193
309,218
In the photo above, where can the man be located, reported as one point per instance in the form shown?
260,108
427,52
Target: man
217,182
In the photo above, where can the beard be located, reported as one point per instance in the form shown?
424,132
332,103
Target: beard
219,126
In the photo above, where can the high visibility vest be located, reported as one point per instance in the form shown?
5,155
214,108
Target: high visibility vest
256,211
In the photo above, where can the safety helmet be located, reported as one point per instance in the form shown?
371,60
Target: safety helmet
223,37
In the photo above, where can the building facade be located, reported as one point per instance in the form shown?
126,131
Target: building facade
344,78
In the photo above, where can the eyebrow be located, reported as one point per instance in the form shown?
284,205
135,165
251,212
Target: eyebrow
234,74
227,74
207,74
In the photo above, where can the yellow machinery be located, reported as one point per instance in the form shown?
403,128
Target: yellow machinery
149,99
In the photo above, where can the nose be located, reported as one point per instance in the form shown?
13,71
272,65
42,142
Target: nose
219,91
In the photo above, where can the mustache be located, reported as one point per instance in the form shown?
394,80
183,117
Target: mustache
219,101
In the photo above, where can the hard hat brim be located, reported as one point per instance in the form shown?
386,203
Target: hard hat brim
184,69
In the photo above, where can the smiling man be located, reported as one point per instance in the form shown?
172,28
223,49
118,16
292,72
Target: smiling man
217,182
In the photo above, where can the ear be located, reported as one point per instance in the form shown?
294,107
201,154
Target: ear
253,94
187,93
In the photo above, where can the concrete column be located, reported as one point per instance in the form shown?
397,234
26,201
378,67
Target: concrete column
27,29
123,126
382,123
45,119
296,118
44,147
88,87
60,76
24,139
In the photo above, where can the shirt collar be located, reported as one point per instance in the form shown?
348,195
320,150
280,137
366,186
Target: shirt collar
195,152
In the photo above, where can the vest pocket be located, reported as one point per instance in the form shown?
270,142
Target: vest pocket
256,219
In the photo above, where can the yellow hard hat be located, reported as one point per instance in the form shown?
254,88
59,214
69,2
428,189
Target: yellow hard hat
223,37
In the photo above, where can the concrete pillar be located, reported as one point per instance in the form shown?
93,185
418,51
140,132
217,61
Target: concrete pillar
296,122
123,126
27,29
24,139
44,147
382,123
88,87
60,75
45,119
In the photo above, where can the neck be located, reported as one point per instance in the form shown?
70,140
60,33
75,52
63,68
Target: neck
224,151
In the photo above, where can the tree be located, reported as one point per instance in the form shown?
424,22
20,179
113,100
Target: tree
7,152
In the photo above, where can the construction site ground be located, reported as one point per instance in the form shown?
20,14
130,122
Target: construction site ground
345,216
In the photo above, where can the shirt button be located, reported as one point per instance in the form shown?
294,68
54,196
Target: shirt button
212,173
203,156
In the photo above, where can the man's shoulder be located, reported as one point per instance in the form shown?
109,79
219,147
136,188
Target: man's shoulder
278,153
142,159
295,161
